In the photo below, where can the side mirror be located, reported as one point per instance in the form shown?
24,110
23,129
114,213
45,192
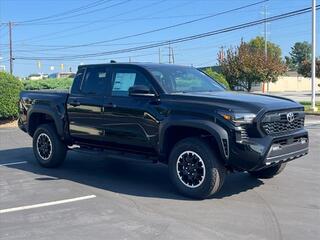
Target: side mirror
140,91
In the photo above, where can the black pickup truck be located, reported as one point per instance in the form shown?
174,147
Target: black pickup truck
166,113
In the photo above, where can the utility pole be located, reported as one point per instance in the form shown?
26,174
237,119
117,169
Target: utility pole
0,49
169,53
265,33
221,53
313,65
159,55
172,55
10,46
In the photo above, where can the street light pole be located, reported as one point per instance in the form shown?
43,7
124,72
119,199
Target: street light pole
265,45
313,65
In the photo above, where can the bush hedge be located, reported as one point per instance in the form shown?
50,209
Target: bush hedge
51,83
10,88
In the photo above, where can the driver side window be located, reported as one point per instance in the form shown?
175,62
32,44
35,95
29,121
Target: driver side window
124,79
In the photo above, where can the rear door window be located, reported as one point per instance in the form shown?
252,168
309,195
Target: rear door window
95,81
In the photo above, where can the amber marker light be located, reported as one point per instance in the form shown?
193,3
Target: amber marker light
227,117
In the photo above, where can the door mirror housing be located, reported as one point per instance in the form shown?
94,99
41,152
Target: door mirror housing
141,91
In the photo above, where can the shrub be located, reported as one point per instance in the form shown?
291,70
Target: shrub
10,88
217,76
51,83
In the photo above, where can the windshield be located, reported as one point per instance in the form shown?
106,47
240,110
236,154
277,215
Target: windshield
177,79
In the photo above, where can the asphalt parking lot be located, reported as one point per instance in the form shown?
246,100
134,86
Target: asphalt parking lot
91,197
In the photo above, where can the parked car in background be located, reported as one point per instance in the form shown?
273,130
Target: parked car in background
35,76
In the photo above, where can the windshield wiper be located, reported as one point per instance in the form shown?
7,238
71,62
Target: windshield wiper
179,92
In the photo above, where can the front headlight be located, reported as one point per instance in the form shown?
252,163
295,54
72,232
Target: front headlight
243,118
239,118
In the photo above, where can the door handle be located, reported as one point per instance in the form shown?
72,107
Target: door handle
75,103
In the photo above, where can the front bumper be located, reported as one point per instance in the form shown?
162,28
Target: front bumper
287,151
22,124
258,153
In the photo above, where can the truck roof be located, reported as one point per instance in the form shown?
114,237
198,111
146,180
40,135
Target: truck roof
139,64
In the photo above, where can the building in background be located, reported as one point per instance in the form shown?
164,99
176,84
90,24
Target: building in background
291,81
62,75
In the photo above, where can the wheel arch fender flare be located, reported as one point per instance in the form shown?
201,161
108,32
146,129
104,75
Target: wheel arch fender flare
219,133
43,109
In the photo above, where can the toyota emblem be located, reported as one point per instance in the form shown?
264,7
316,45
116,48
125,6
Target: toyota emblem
290,117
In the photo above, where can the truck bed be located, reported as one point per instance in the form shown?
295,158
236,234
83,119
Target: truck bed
50,101
57,96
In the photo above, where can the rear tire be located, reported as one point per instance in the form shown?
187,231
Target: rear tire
195,169
48,149
268,172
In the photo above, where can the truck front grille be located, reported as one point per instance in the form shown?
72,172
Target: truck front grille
279,122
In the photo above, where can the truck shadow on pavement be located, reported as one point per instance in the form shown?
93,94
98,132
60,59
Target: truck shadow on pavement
119,176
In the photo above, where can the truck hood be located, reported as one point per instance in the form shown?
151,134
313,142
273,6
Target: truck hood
248,101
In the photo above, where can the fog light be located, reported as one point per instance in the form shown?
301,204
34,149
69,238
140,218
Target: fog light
276,148
303,140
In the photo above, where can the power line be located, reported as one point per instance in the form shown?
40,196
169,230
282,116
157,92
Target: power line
171,26
98,45
180,49
105,59
95,10
122,20
119,20
72,29
184,39
85,7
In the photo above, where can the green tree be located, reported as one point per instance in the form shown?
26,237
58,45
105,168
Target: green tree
10,88
246,65
272,49
301,51
289,63
217,76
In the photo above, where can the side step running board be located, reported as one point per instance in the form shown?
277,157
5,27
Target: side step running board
115,154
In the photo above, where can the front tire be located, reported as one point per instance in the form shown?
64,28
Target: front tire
268,172
48,149
195,169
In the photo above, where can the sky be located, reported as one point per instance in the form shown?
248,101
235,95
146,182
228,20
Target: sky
46,31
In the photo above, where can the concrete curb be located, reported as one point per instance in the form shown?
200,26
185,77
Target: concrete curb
12,124
312,114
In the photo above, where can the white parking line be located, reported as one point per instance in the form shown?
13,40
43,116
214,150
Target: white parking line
312,122
46,204
13,163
